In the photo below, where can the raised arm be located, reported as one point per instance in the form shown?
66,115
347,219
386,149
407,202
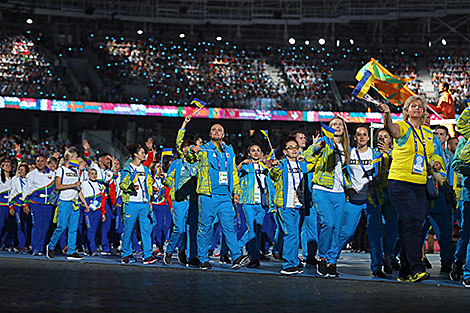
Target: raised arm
391,127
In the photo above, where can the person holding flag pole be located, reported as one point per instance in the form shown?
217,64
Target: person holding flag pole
331,181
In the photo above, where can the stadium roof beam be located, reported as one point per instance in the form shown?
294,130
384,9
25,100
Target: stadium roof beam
454,29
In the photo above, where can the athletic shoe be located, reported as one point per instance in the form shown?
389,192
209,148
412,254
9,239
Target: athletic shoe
206,266
404,279
151,259
290,271
322,268
387,265
125,260
74,256
264,257
311,261
254,264
49,253
22,250
35,253
395,266
277,256
378,274
224,259
132,259
426,263
331,270
466,283
138,252
457,271
194,262
240,262
167,258
182,257
445,269
420,276
105,253
95,253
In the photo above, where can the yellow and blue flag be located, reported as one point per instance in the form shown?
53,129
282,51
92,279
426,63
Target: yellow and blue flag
167,151
328,131
199,103
272,155
364,84
74,163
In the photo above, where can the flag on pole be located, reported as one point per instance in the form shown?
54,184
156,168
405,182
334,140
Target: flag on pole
199,103
272,155
265,133
328,131
391,87
167,151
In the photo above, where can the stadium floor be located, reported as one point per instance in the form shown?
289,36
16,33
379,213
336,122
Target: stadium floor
98,283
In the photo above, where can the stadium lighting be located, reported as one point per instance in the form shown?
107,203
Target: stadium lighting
338,42
218,38
292,41
321,41
29,21
307,42
182,35
351,41
429,44
444,41
140,32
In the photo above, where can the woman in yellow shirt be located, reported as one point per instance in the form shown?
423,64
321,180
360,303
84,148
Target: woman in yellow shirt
413,149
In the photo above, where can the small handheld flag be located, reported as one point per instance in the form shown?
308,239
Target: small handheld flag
272,155
74,163
167,151
265,133
328,131
199,103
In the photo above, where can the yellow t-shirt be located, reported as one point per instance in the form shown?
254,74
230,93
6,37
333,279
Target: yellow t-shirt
403,153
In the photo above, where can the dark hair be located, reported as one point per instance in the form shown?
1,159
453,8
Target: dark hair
295,132
452,138
133,148
445,85
3,160
361,126
104,154
26,167
376,136
284,143
443,128
52,160
251,145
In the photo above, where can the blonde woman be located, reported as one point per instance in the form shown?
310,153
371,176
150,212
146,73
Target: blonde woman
330,182
413,151
68,183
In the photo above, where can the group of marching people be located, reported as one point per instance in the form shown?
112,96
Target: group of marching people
310,198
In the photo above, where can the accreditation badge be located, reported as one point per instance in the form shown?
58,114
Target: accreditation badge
418,164
223,178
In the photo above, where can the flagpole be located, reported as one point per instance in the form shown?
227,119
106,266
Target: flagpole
192,114
430,108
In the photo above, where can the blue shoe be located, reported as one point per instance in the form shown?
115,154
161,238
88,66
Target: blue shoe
35,253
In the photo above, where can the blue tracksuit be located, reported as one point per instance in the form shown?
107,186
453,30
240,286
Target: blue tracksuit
253,209
219,202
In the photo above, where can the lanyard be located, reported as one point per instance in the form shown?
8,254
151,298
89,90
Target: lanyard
292,172
415,134
217,157
362,166
140,184
22,183
258,179
187,169
94,194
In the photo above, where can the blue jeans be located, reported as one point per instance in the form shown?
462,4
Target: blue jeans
390,228
309,235
254,215
330,209
440,217
464,233
132,212
66,217
211,207
106,233
41,215
289,222
412,205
